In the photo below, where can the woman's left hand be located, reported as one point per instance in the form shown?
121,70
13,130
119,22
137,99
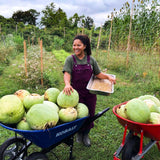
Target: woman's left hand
112,79
106,76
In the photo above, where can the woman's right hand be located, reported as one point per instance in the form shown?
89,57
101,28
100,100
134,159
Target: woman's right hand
68,89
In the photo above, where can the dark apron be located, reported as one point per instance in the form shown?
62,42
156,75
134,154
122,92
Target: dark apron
81,74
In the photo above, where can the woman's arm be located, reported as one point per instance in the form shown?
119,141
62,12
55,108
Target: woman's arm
102,75
67,79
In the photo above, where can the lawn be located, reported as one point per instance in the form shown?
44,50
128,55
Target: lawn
135,80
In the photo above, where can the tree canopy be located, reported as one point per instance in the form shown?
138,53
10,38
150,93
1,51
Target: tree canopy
27,17
52,17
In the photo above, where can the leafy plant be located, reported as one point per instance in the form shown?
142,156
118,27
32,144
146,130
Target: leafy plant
19,42
57,43
60,55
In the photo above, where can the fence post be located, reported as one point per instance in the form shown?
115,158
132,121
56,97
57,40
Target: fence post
159,66
25,57
90,35
16,28
64,32
41,47
29,41
99,38
129,36
109,45
83,29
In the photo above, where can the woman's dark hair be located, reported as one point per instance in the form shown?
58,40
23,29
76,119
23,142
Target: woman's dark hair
86,41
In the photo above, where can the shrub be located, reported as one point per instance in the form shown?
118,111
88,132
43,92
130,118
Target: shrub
18,42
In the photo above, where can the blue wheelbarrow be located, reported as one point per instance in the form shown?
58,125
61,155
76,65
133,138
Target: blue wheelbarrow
15,148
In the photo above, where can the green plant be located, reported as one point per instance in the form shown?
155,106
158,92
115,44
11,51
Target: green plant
61,55
57,43
32,78
19,42
1,70
52,78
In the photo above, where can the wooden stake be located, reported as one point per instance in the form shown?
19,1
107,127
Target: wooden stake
99,38
159,65
109,45
129,36
0,28
29,41
39,41
159,73
90,35
16,28
64,32
32,41
25,57
78,31
41,47
83,30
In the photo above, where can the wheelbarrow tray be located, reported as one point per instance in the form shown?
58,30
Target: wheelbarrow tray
46,138
149,130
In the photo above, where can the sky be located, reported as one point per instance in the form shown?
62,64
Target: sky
98,10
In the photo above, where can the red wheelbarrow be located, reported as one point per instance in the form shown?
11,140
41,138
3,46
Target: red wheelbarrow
15,148
132,147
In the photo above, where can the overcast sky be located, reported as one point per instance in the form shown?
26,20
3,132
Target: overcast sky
98,10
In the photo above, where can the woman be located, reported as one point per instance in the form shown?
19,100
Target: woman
78,70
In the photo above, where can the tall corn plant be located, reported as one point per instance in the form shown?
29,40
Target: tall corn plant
121,27
146,23
145,26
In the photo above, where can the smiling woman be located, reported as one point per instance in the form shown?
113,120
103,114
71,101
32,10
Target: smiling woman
78,70
78,48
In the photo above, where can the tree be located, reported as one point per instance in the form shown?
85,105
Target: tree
52,17
107,24
49,13
18,16
76,21
61,18
27,17
2,19
88,22
35,14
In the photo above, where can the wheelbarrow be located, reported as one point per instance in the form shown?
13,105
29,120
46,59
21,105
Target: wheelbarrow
15,148
132,147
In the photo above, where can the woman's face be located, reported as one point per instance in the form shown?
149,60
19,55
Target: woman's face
78,47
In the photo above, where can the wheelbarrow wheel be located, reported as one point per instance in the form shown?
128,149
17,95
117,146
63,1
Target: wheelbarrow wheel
37,156
131,148
11,148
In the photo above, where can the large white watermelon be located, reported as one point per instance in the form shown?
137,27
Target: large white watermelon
51,94
67,114
11,109
66,101
41,116
137,110
82,110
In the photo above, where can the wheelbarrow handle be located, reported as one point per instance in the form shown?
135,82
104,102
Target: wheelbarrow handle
99,114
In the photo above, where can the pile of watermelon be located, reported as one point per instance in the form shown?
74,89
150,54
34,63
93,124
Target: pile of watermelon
32,111
144,109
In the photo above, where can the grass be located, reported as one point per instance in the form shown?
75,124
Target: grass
60,55
14,77
107,134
